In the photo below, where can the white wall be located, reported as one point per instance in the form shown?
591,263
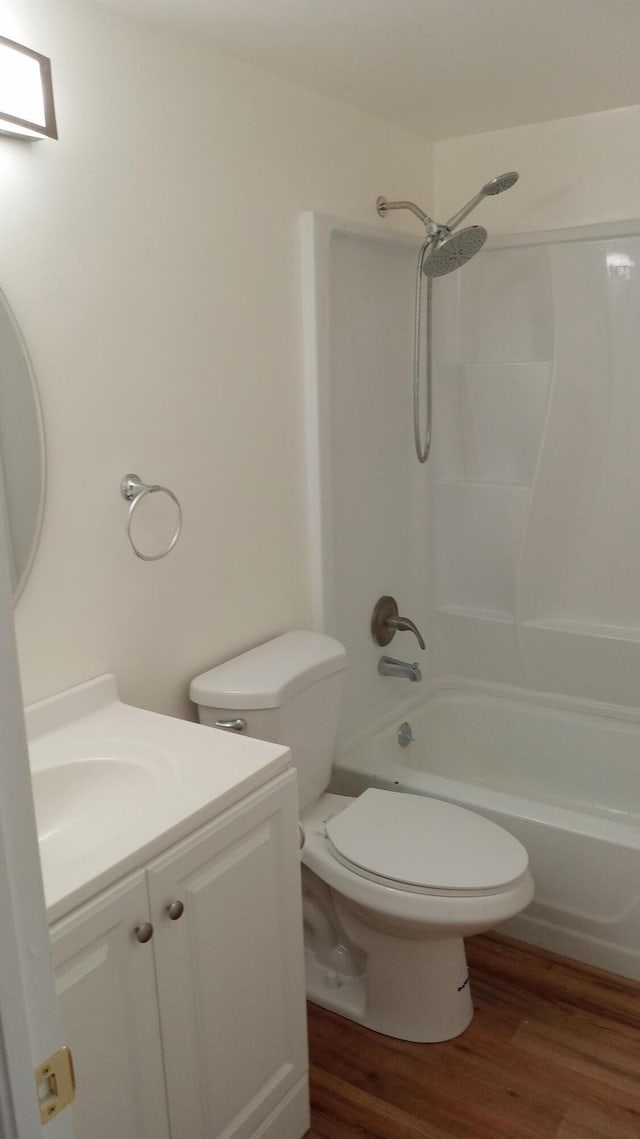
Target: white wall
151,257
572,172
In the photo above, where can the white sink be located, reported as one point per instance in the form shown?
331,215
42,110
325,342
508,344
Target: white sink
113,785
83,804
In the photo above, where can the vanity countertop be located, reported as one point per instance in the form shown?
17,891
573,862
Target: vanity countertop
115,785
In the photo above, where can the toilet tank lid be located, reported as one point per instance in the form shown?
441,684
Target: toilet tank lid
270,674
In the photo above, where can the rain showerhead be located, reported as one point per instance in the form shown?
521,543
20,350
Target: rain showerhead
454,251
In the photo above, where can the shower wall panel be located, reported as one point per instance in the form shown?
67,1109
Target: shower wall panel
371,531
537,498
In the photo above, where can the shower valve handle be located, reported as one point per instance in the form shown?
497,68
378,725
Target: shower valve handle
404,623
386,621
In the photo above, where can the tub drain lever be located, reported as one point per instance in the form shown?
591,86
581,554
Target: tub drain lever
405,734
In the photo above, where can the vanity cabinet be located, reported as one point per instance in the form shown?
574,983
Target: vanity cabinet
200,1032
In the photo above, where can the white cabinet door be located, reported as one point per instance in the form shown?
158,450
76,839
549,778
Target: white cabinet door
230,969
105,981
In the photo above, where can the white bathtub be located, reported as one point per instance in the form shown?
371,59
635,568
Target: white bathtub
563,779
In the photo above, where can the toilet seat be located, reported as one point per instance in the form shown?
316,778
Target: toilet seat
424,846
436,911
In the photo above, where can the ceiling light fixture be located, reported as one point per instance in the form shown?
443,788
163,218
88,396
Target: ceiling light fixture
26,94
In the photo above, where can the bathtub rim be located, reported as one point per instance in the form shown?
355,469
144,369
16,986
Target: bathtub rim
470,686
360,760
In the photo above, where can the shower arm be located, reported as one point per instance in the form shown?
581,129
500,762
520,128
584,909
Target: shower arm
431,226
454,222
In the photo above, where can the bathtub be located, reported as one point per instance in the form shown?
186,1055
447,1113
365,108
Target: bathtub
562,776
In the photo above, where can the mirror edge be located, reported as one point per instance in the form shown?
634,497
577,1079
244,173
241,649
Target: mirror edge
24,576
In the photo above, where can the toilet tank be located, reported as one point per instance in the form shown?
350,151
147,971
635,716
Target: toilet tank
288,690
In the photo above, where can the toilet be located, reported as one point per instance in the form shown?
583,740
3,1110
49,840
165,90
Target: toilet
392,883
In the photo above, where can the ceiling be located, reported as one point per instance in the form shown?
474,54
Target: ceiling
439,67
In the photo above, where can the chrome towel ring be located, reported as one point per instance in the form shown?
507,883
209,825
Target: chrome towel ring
134,490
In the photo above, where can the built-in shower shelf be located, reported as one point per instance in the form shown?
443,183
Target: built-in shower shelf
475,614
484,364
499,484
587,629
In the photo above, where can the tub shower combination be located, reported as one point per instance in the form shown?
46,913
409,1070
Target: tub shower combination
516,548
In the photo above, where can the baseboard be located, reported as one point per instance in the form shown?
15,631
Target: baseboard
291,1118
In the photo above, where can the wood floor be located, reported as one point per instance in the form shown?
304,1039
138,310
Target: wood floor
553,1052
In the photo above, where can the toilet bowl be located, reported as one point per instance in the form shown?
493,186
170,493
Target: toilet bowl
392,883
454,874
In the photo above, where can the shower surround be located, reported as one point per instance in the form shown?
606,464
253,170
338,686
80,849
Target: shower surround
537,482
518,545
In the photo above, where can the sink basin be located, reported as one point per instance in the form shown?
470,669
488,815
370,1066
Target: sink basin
82,804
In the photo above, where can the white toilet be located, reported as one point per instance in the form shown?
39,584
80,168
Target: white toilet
392,883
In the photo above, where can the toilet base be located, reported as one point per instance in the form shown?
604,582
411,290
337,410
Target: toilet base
410,989
339,992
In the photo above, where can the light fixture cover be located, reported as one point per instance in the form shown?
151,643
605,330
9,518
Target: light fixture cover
26,94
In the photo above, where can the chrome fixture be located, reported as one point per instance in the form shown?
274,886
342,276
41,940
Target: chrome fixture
388,666
238,725
382,206
489,190
453,251
26,93
405,734
441,252
134,490
386,622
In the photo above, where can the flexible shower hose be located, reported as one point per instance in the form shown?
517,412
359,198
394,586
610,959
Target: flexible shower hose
422,450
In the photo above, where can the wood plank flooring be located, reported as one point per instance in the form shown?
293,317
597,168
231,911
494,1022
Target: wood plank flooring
553,1052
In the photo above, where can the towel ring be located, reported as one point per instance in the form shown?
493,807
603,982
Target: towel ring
134,490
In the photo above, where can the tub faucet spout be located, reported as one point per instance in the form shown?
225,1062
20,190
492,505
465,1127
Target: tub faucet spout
388,666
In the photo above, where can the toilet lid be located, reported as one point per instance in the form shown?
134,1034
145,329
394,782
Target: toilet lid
415,843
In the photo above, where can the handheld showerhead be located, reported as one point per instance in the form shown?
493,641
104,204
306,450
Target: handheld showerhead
502,182
495,186
453,251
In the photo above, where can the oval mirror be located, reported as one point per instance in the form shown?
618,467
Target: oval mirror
22,457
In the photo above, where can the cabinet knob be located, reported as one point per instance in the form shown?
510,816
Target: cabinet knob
144,932
175,910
